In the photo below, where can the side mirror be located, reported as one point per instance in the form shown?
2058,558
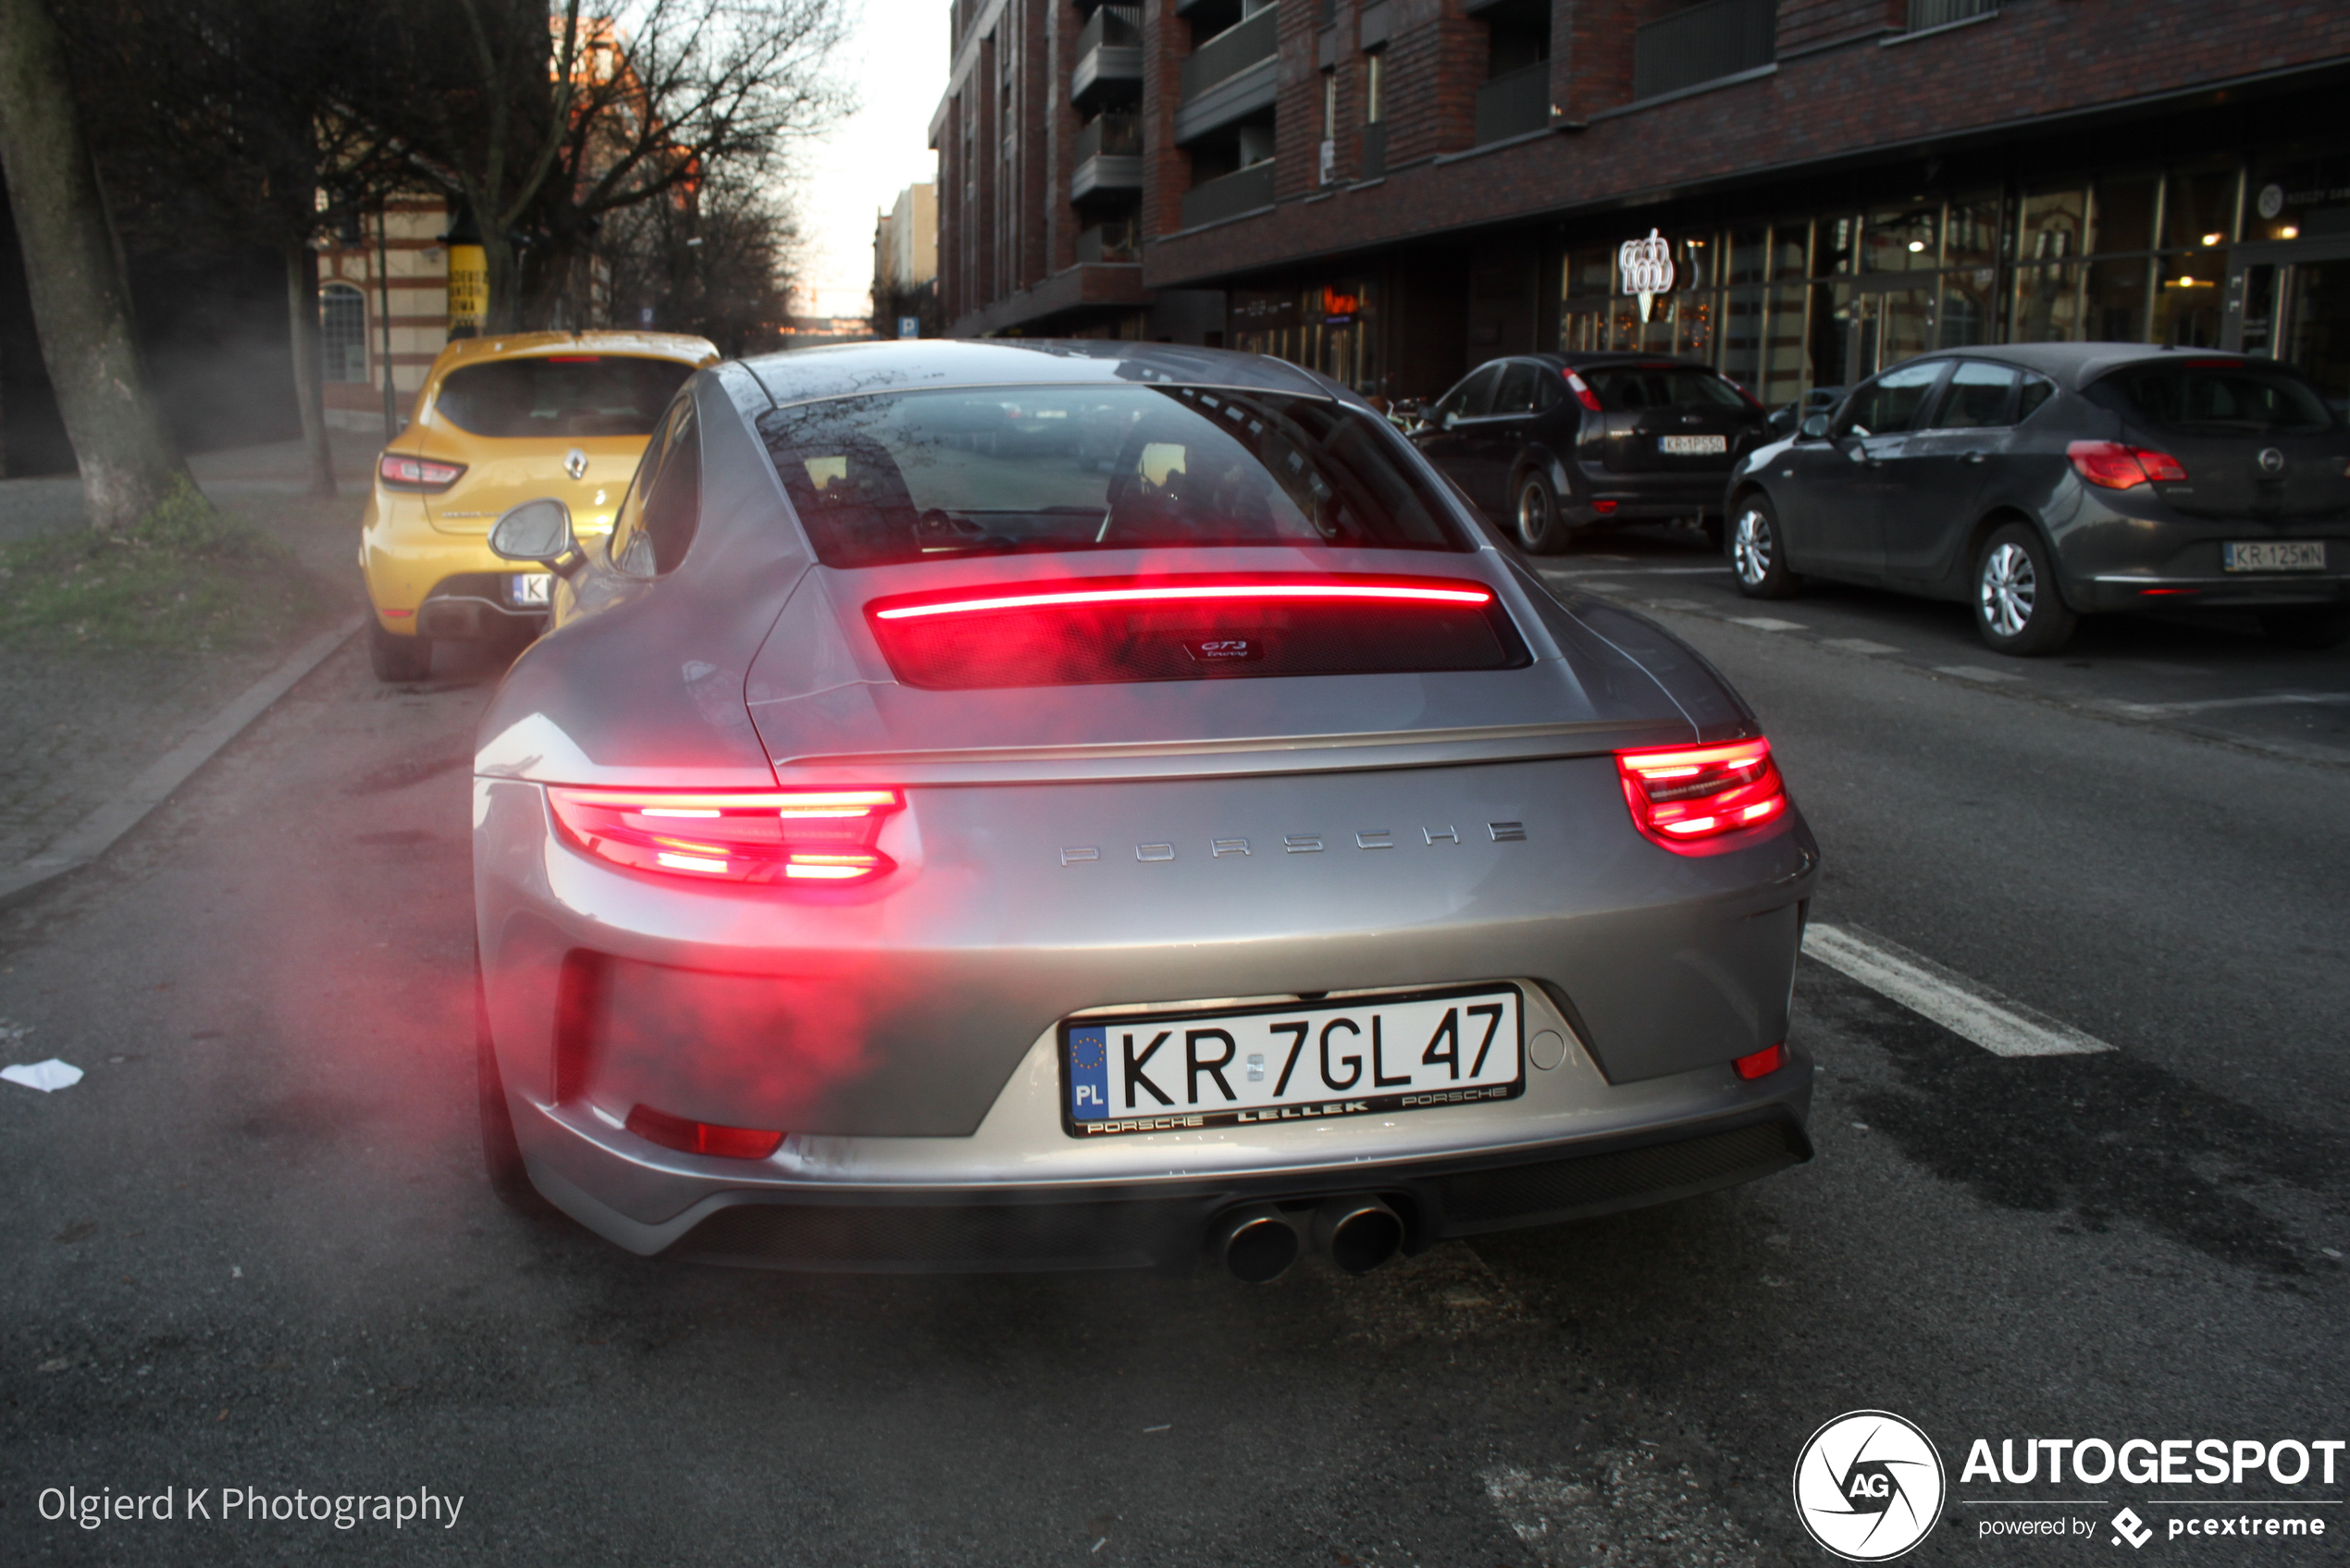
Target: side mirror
537,531
1815,427
1452,418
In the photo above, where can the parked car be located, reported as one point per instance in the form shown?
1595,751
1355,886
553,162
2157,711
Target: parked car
917,846
1788,418
1554,443
499,420
2043,481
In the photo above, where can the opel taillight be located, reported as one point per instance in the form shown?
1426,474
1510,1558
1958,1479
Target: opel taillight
1582,390
418,473
2117,467
1686,794
814,837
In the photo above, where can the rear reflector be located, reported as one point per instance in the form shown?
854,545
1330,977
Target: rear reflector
421,474
703,1137
1683,796
1090,631
2116,467
812,837
1763,1063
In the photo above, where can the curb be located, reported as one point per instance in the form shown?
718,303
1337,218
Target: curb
97,833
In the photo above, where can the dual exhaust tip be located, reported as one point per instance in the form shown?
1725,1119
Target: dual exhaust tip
1259,1241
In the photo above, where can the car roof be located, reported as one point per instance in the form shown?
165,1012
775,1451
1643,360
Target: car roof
843,370
681,346
2074,366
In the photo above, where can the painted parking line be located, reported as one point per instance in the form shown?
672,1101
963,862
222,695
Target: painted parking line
1974,673
1764,623
1972,1011
2259,700
1858,644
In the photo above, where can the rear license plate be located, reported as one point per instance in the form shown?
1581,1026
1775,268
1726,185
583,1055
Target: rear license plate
2295,555
1693,446
528,587
1228,1067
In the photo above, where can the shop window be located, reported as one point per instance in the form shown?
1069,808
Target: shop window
2114,309
1590,273
2187,301
1968,313
1742,326
2047,304
1971,233
1902,238
2052,225
1837,238
1787,368
1743,260
2199,206
1791,252
343,333
2124,213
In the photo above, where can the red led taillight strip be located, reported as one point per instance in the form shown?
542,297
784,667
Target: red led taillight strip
813,836
1685,794
1192,593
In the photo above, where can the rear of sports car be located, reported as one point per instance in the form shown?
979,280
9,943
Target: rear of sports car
1176,835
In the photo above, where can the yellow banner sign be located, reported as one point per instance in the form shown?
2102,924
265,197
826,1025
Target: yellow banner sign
468,287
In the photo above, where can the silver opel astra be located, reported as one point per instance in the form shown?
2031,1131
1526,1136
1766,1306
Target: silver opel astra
1014,806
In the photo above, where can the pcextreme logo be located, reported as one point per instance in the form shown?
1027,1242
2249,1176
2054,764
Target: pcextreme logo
1869,1486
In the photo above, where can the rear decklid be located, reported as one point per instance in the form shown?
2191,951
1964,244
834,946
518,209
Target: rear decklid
1664,417
2257,441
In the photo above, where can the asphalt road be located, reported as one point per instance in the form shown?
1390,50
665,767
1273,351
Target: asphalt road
251,1250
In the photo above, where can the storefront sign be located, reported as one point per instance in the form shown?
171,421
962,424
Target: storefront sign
1340,306
468,288
1261,310
1645,267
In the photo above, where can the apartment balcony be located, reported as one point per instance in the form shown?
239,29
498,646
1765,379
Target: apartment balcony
1514,103
1375,151
1110,50
1924,13
1108,157
1703,44
1106,242
1229,195
1230,77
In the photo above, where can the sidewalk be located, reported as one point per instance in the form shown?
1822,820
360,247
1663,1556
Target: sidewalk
74,727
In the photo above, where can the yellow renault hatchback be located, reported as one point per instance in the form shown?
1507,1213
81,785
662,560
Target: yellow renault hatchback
499,421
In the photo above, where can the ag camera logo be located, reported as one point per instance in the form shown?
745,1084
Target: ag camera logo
1869,1486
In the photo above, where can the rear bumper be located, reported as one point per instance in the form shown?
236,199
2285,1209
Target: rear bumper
1602,495
2149,590
1164,1223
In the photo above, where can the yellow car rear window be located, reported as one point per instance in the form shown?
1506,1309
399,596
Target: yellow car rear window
560,395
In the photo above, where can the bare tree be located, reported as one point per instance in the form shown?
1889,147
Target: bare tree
81,306
547,124
715,259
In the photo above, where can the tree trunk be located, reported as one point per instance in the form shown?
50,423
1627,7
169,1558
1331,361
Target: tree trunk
301,303
129,463
504,266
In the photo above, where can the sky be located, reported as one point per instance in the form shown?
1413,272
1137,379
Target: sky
897,60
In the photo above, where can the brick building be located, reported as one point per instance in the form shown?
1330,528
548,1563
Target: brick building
1392,190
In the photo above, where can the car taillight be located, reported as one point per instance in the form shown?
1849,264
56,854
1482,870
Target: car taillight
1582,390
701,1137
418,473
1685,794
816,838
2117,467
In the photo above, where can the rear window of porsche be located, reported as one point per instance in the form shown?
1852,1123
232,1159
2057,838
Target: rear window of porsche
2221,397
560,395
923,475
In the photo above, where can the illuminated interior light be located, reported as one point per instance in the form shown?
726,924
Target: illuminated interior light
2289,232
2211,238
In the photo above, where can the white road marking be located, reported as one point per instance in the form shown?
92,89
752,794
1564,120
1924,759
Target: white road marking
1593,585
2149,709
1974,673
1858,644
1972,1011
1764,623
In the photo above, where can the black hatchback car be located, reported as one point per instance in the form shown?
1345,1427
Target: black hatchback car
2042,482
1550,443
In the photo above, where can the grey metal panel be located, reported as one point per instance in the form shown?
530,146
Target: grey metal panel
1371,28
1230,195
1233,99
1104,172
1105,64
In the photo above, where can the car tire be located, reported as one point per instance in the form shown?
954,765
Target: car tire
1758,555
2311,626
2017,608
500,1152
396,660
1534,515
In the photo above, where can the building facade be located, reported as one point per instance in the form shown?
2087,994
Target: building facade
384,290
1797,191
906,265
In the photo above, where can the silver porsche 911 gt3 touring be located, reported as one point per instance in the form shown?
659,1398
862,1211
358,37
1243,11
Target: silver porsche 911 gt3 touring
1007,806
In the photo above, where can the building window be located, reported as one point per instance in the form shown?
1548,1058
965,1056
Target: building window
342,332
1374,95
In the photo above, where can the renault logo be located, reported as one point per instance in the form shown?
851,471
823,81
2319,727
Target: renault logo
2271,461
575,463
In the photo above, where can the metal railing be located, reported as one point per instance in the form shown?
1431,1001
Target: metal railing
1230,195
1120,136
1706,42
1514,103
1120,27
1924,13
1232,51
